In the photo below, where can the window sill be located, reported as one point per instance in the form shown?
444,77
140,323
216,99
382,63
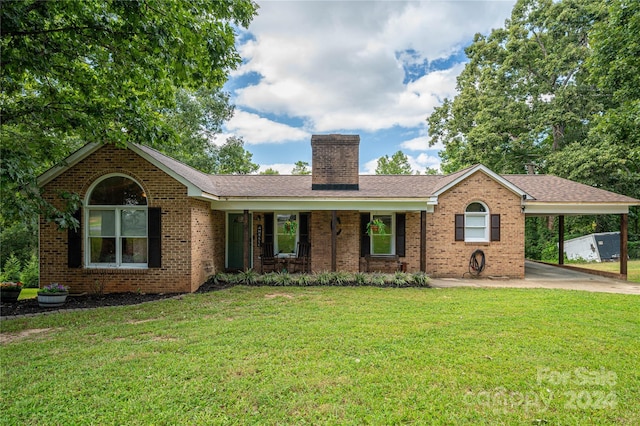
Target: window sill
477,243
114,270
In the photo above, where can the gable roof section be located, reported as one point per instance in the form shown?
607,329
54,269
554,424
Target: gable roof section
198,184
454,179
541,194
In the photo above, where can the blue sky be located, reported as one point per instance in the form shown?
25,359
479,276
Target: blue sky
373,68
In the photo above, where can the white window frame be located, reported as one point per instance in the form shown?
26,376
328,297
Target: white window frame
470,216
392,233
118,228
276,247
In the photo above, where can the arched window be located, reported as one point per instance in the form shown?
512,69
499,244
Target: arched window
117,223
476,222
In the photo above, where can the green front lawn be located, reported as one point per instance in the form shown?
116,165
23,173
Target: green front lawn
633,268
330,355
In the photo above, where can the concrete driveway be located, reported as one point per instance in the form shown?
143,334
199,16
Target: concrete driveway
544,276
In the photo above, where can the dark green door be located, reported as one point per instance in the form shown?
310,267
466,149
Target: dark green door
235,245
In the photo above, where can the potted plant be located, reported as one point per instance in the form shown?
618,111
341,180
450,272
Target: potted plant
376,226
290,227
53,295
10,291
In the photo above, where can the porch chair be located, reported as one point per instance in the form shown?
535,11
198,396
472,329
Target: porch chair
267,258
302,258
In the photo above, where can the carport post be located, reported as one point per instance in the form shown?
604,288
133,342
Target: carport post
561,240
624,224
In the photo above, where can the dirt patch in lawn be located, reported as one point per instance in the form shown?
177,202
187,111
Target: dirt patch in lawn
274,295
11,337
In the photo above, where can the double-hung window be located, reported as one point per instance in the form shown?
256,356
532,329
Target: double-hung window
286,233
117,223
476,223
382,240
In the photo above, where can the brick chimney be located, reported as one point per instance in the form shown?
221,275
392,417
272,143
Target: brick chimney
335,162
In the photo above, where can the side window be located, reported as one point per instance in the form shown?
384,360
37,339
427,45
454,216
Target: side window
476,222
116,225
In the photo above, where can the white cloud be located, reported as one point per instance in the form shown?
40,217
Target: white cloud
421,143
255,129
338,65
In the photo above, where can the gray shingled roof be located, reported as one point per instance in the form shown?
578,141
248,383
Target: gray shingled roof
196,177
371,186
543,188
553,189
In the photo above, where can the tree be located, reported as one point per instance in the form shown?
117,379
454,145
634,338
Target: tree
269,171
524,92
232,158
609,157
80,71
301,168
398,164
195,120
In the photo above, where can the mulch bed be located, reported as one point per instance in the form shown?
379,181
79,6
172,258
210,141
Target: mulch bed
83,301
30,306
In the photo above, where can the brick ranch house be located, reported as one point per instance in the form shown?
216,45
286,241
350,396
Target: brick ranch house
150,223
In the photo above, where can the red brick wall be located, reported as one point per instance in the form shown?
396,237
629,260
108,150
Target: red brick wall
162,191
202,242
218,221
449,258
335,159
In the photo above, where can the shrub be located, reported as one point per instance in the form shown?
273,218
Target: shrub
360,278
305,280
31,273
269,278
248,277
323,278
377,280
11,271
420,279
341,278
282,278
400,279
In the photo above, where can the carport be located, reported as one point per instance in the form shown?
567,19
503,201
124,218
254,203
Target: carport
552,196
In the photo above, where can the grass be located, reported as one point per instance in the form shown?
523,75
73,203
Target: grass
330,355
633,268
28,293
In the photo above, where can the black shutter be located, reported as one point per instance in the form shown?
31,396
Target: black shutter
495,227
268,228
459,227
154,234
365,241
74,242
401,219
304,227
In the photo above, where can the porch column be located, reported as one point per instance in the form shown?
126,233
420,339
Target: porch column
246,226
560,240
334,239
624,224
423,241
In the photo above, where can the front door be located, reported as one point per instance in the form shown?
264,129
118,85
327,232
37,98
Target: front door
235,243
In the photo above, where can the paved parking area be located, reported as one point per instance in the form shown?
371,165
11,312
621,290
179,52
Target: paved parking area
545,276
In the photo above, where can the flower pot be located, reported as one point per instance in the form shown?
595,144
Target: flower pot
52,300
374,228
9,295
